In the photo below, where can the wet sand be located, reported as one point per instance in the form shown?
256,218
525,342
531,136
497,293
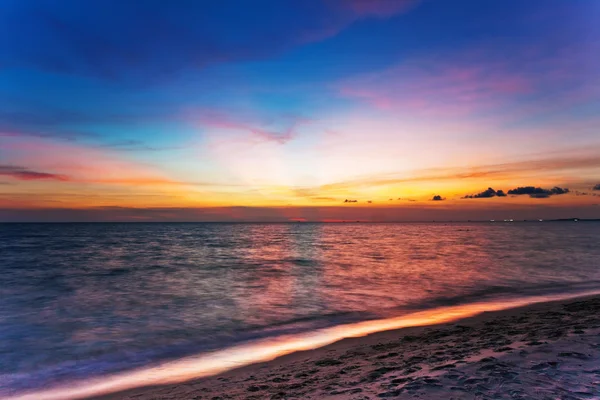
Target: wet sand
542,351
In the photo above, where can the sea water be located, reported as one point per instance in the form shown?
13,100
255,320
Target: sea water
84,303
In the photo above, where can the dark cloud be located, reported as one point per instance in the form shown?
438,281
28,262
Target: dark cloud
350,201
537,192
25,174
539,195
489,192
597,187
485,194
558,190
437,197
147,41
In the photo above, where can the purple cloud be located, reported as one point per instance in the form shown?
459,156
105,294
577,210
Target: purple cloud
24,174
260,129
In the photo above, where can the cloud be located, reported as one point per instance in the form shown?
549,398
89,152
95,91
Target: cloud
322,198
136,145
155,41
458,87
597,187
489,192
261,130
24,174
578,193
379,8
518,169
281,137
38,115
29,159
350,201
483,82
29,118
69,137
537,192
40,121
437,197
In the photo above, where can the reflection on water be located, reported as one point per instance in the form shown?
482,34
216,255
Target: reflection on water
84,300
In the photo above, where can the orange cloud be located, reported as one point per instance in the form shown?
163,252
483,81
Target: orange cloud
48,171
518,170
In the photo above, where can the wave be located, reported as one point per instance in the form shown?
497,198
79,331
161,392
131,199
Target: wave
266,349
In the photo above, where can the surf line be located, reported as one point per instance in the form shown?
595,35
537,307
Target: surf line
217,362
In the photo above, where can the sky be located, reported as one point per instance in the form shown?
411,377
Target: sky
314,110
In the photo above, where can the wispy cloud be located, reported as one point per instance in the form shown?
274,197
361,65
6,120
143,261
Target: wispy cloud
481,80
156,41
379,8
25,174
511,170
451,87
136,145
243,122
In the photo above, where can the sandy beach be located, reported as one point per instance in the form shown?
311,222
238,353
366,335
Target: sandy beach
541,351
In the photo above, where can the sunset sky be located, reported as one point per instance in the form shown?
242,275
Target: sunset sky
371,110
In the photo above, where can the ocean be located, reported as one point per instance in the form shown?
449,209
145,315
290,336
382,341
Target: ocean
84,304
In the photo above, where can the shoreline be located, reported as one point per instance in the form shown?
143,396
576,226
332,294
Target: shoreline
371,366
264,375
